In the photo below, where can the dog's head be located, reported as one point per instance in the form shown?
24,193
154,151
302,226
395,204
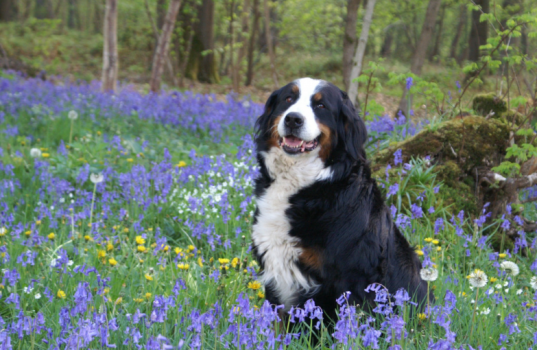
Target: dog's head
312,118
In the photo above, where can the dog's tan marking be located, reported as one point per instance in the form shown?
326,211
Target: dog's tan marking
274,135
295,89
311,257
317,97
325,141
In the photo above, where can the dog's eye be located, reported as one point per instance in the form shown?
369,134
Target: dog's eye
319,105
289,99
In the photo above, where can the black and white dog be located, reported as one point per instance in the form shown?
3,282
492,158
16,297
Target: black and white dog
321,227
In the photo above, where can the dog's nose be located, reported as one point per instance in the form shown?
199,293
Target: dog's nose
294,120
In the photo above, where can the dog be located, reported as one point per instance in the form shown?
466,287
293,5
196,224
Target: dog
321,227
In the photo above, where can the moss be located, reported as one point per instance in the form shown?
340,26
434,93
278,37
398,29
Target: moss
514,116
470,142
484,103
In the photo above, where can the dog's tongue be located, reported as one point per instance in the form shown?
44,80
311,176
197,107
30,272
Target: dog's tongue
292,141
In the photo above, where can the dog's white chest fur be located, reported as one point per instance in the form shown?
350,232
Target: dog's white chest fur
271,232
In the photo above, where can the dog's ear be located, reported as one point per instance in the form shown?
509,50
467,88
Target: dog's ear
352,130
262,123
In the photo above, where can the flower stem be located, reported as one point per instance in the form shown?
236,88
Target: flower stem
92,202
473,316
71,132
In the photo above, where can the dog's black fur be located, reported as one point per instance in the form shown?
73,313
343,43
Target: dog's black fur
343,222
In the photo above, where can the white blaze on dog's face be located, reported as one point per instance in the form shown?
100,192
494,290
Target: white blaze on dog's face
298,129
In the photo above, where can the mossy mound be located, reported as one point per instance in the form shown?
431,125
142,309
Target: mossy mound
467,142
483,104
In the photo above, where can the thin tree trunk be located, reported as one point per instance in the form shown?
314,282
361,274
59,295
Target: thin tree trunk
243,37
185,57
163,45
6,7
110,58
360,50
234,81
386,49
251,46
349,39
421,49
202,67
161,13
436,48
269,44
463,14
478,32
169,64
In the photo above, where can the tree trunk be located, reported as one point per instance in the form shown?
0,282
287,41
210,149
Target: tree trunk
43,9
463,14
243,38
110,58
386,49
251,45
349,39
161,13
478,31
360,50
72,19
163,45
269,44
6,10
440,24
421,48
202,67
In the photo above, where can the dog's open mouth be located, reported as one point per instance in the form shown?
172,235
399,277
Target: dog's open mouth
294,145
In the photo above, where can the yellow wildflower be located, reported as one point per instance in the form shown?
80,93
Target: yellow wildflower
435,241
181,164
101,254
140,240
148,277
178,250
51,236
45,155
502,255
260,295
147,295
191,248
109,246
419,252
88,238
130,160
255,285
438,249
138,300
422,316
119,300
200,261
493,279
61,294
166,248
126,230
183,266
223,261
234,262
38,222
112,261
428,239
27,233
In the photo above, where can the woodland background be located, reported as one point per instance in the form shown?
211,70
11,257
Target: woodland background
218,46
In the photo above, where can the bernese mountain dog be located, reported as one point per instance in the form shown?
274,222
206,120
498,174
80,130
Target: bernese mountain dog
321,227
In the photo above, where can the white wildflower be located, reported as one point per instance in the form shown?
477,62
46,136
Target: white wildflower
478,278
429,274
486,311
97,178
518,292
37,295
533,282
510,268
73,115
35,153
